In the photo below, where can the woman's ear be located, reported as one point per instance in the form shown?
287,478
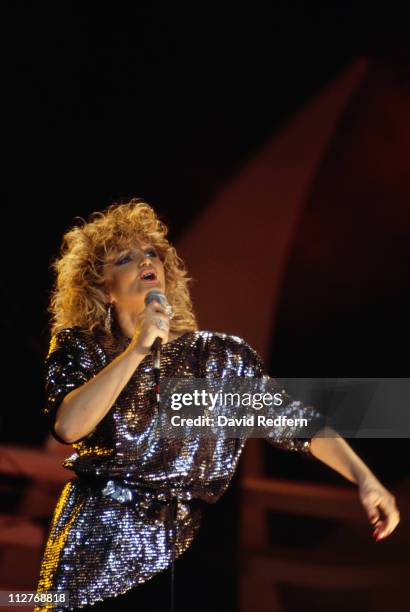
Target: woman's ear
107,296
106,287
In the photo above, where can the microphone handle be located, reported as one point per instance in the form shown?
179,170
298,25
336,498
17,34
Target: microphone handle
156,352
156,347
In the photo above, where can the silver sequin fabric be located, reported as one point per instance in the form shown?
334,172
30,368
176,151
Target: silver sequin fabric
102,541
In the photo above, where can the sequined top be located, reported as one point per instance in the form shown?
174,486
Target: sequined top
105,539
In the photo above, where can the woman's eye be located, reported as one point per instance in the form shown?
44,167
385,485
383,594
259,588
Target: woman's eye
123,259
126,258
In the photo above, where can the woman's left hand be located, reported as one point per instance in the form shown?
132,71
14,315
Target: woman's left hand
380,506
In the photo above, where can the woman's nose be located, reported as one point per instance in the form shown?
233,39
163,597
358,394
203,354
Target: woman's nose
144,259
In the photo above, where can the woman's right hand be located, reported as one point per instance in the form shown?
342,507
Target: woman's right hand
147,330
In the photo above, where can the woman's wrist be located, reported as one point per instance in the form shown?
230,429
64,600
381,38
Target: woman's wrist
329,447
364,476
136,349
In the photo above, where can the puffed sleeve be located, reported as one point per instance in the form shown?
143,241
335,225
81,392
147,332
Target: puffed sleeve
286,437
68,365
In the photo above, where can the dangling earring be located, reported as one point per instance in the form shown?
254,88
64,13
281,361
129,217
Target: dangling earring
108,318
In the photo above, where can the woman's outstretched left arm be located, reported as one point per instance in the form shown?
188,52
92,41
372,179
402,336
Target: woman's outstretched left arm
378,502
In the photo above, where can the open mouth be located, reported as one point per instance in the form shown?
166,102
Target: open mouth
148,276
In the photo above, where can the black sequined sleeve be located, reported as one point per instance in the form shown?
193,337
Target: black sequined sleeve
287,437
68,365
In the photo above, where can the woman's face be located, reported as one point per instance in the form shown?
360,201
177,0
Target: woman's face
131,274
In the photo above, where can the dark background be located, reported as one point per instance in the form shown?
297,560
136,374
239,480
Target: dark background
103,101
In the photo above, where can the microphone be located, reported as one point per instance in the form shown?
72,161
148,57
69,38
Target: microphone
161,298
156,345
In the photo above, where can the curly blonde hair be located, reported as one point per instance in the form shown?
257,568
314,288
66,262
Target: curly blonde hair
78,297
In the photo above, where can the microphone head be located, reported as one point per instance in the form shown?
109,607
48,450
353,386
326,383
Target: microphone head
154,294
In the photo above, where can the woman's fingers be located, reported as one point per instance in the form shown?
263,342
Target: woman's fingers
381,509
153,322
370,503
156,306
155,311
392,516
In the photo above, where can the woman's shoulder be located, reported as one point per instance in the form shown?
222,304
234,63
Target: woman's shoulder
70,338
222,338
71,333
230,343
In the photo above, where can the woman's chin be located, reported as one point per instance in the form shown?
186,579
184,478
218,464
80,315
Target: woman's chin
149,285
